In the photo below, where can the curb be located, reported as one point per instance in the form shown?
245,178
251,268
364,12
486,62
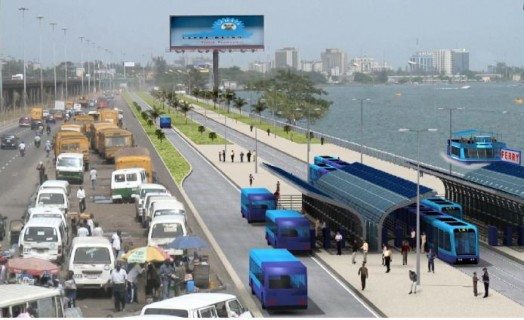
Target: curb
248,300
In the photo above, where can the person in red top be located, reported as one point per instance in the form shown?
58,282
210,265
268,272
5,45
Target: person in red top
405,250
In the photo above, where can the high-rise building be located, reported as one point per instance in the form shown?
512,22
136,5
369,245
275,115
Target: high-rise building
421,62
442,61
259,66
334,62
286,58
367,65
311,65
459,61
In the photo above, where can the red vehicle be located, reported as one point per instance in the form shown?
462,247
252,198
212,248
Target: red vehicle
24,121
102,103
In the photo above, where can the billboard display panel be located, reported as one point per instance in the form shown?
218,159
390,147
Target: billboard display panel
216,32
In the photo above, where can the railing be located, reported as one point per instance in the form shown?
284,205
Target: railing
290,202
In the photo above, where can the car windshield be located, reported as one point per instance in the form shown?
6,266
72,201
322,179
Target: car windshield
167,212
69,162
96,255
47,215
8,137
40,234
120,177
146,191
118,141
167,230
51,198
167,312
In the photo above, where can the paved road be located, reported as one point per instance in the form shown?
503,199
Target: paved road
218,202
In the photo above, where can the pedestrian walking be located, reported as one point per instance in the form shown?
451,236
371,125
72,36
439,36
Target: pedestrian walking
47,148
41,172
82,231
116,243
355,248
387,259
475,282
219,156
118,280
268,132
152,281
92,175
365,249
251,178
180,274
132,281
166,271
423,239
232,155
412,237
70,289
81,196
90,224
404,250
485,280
338,240
413,277
97,231
431,260
248,155
241,156
384,248
363,272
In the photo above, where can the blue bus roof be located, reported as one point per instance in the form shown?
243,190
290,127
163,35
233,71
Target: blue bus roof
250,191
272,255
165,116
273,214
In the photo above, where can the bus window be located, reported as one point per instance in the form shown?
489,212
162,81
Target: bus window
44,308
221,309
289,232
455,151
234,306
293,281
208,312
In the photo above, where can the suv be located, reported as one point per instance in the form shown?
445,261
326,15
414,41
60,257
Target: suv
9,141
24,121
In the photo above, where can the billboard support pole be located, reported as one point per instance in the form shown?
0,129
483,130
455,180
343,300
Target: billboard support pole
216,76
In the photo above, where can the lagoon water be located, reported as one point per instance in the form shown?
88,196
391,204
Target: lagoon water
487,107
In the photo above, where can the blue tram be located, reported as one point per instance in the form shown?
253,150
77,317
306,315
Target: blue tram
443,205
471,146
454,240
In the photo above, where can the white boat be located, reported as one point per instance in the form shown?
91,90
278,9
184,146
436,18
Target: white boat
465,87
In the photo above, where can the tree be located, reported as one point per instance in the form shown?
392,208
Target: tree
287,128
239,103
212,135
185,107
144,115
154,113
201,129
362,77
160,134
215,95
149,123
229,95
259,107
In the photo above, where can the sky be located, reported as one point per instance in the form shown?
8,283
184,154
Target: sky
134,30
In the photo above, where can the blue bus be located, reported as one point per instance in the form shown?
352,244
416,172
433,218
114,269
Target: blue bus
443,205
165,121
254,202
278,279
454,240
288,229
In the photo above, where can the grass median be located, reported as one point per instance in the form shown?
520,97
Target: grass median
188,127
176,164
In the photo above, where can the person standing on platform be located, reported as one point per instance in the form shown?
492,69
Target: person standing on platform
387,259
485,280
338,240
363,272
248,155
224,155
412,238
232,155
355,248
241,156
251,178
423,239
405,250
475,282
219,156
431,261
384,248
365,249
413,278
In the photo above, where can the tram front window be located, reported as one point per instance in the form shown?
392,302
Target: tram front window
465,241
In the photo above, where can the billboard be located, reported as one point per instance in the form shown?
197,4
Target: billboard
510,155
129,64
216,32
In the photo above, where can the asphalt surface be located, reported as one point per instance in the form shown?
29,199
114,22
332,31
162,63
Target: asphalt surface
218,202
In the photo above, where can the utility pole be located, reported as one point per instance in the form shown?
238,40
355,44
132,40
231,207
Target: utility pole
65,59
24,97
53,24
82,61
2,111
88,69
40,59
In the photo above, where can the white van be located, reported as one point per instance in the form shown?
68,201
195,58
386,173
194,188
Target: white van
125,183
149,199
44,238
199,305
91,259
46,302
54,198
45,212
56,184
70,167
165,207
143,190
165,229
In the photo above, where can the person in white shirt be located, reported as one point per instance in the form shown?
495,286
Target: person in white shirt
338,239
91,223
365,248
117,243
92,175
97,231
132,282
82,231
81,196
118,280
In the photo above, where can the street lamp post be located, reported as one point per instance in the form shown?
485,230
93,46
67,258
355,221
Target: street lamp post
24,98
40,59
417,238
65,61
53,24
450,128
88,69
82,61
225,137
361,126
308,131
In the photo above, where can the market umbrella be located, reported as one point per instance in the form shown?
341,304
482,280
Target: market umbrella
187,242
33,266
145,254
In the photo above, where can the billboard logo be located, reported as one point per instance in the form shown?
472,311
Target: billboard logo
225,28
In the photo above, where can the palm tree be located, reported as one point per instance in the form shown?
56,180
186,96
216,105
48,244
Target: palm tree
216,95
229,96
154,113
259,107
172,100
185,107
239,103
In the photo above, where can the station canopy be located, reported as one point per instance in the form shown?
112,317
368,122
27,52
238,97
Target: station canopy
500,175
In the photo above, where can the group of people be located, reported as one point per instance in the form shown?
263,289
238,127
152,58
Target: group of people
250,154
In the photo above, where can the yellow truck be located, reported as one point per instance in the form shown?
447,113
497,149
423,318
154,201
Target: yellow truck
71,127
72,142
37,117
108,115
84,120
95,128
136,157
111,140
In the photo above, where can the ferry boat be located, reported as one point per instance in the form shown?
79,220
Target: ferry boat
473,146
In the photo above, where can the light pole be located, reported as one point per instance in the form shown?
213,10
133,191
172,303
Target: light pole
417,238
308,131
82,61
65,61
40,59
1,62
262,101
225,137
361,126
24,98
53,24
88,70
450,128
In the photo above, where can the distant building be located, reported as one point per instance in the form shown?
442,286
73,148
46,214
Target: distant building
334,62
367,65
286,58
421,62
259,66
311,65
442,61
459,61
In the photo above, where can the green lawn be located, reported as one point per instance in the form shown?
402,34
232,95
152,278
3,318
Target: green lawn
176,164
293,136
185,125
